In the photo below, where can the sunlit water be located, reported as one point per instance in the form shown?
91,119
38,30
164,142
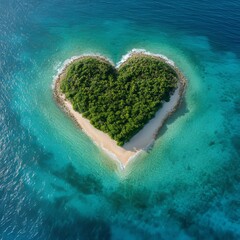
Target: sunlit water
56,184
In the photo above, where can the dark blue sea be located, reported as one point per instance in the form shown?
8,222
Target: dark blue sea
56,184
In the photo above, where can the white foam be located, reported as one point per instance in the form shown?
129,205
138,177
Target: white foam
143,51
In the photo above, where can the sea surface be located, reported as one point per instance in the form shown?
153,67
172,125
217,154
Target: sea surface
56,184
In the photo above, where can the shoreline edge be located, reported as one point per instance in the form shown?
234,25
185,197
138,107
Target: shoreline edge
130,150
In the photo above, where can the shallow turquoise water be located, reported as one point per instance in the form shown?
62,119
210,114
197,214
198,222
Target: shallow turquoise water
56,184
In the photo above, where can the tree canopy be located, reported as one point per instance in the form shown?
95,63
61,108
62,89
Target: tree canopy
120,101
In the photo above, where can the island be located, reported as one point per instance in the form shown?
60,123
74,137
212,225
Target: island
120,108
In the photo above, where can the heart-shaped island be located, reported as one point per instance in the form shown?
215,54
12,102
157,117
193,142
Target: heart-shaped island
120,108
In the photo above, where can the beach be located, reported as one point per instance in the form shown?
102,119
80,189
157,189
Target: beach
144,138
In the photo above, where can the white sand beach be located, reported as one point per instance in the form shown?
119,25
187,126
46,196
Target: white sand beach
141,141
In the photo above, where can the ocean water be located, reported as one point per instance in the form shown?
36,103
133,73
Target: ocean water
56,184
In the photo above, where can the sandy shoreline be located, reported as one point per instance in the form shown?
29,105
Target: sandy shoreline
144,138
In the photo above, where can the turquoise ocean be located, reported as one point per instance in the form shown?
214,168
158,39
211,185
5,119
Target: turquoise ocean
56,184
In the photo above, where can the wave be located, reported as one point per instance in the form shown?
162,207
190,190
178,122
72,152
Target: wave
60,67
143,51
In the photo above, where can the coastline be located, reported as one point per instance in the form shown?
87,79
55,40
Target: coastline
146,136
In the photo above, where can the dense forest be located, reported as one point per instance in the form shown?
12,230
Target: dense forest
119,102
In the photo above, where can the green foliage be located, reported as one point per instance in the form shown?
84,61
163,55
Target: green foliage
119,102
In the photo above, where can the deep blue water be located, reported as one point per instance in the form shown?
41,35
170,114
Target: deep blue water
56,184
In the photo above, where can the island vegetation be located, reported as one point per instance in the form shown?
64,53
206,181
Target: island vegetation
120,101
